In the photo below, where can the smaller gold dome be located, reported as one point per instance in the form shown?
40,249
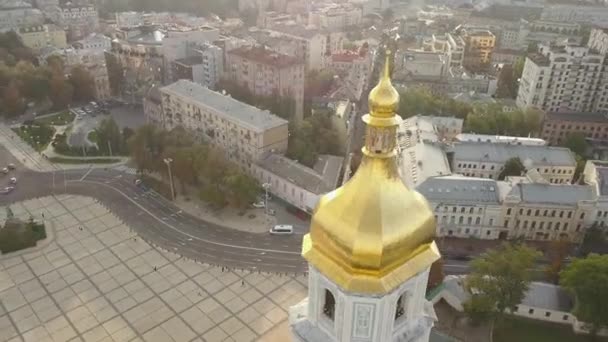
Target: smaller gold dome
384,98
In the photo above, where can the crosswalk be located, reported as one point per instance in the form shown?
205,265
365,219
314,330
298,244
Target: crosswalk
126,169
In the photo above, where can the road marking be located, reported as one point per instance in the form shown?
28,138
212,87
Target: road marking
86,174
190,235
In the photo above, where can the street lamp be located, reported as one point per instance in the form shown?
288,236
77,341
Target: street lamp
168,161
266,186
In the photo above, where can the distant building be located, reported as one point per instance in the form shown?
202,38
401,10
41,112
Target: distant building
295,183
595,175
267,73
566,78
479,46
94,41
486,160
557,126
311,44
153,107
423,65
333,16
575,13
43,36
500,139
453,46
15,14
78,20
206,67
246,134
598,40
182,42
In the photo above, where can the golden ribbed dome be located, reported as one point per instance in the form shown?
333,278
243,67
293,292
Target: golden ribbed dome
383,100
373,234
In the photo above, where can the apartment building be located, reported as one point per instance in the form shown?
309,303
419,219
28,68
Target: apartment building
333,16
575,13
295,183
311,44
418,64
548,212
267,73
16,13
153,107
179,42
94,41
598,40
453,46
479,45
464,207
43,36
537,32
245,133
78,20
595,175
206,67
557,126
566,78
486,160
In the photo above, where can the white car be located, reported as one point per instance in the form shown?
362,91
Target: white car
259,205
11,166
13,180
281,229
7,190
5,170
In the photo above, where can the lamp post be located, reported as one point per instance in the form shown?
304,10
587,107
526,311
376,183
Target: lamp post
168,161
266,186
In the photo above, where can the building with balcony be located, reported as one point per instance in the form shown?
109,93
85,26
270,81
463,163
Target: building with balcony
453,46
598,40
43,36
94,41
78,20
557,126
267,73
246,134
479,46
486,160
16,13
564,78
333,16
205,67
311,45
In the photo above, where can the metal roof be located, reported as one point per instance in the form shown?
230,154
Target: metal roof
461,189
500,153
552,193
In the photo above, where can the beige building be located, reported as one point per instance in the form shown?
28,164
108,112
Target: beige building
267,73
548,212
334,16
486,160
311,44
43,36
245,133
479,45
488,209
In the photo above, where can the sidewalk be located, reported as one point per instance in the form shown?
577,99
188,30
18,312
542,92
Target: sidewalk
23,152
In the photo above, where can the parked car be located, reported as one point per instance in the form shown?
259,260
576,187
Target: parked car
13,180
281,229
5,170
11,166
271,212
7,190
259,205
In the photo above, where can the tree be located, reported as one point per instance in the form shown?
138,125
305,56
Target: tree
505,83
12,101
577,143
242,189
558,251
116,75
83,84
109,137
500,278
513,167
61,91
587,279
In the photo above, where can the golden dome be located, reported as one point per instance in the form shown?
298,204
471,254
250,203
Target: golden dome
383,100
373,234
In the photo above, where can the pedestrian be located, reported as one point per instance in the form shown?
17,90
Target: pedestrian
42,215
242,282
154,268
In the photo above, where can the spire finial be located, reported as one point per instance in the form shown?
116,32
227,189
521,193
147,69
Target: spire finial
384,98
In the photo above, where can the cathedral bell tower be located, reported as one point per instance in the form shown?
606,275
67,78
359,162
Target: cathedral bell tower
370,246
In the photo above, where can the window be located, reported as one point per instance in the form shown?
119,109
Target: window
582,216
547,314
462,210
506,225
529,212
537,212
469,220
565,318
509,211
545,212
401,304
461,220
561,214
471,210
329,305
491,222
478,220
525,224
531,311
557,224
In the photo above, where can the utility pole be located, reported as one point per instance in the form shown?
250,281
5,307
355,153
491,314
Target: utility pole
109,147
266,186
168,161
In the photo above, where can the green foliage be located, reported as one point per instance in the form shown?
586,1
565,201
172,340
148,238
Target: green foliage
83,84
217,180
577,143
500,278
12,49
312,137
595,241
513,167
17,235
490,119
281,106
511,329
77,161
116,76
421,101
508,79
109,135
60,119
587,279
36,135
479,308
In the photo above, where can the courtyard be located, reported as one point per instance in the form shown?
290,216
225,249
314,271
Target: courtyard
93,279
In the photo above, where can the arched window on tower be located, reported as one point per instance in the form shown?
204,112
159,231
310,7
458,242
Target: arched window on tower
329,305
401,307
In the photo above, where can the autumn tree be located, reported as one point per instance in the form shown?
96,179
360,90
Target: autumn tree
557,253
83,83
12,101
499,280
436,274
577,143
587,279
61,91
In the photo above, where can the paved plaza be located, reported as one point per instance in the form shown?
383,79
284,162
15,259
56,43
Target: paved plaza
93,279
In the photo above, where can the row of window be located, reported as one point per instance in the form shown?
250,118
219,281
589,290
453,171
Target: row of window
541,225
444,219
545,213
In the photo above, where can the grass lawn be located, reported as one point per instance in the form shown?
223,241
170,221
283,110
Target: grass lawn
59,119
527,330
92,136
60,160
37,136
17,235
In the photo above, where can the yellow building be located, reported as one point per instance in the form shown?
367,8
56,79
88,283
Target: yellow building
370,246
43,36
479,46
